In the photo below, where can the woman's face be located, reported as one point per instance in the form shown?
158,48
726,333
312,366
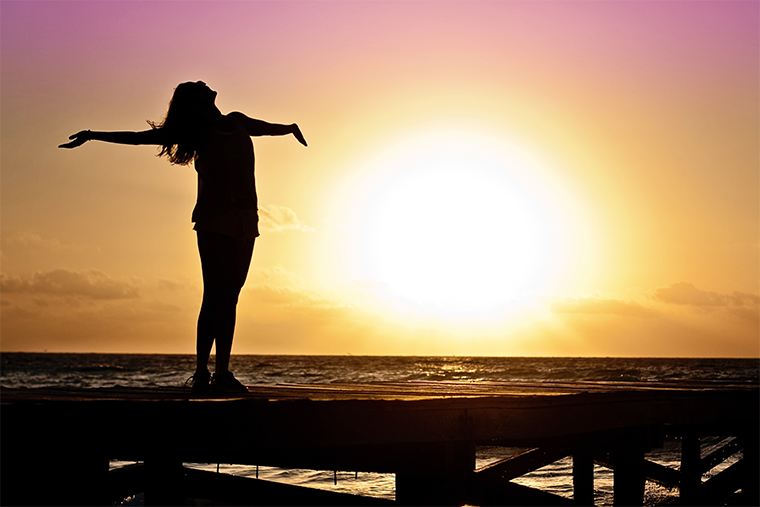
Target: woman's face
205,94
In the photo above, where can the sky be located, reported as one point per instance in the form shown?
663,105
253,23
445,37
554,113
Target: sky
497,178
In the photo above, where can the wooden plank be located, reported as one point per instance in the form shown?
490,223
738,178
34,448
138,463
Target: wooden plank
718,488
718,453
389,391
661,474
521,463
575,415
305,424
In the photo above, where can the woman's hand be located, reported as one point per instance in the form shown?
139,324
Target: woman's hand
298,135
78,139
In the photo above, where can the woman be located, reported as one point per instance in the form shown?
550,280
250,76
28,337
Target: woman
225,215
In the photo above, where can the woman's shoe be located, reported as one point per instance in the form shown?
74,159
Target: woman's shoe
200,381
227,383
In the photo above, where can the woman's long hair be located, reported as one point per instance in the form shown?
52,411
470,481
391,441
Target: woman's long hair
185,124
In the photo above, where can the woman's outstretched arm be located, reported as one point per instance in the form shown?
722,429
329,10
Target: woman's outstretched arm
262,128
153,136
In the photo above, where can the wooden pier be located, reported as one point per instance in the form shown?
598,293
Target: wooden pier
57,443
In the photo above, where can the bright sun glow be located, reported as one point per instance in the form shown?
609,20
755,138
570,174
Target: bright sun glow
457,229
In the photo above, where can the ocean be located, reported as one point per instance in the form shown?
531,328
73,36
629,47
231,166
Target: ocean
29,370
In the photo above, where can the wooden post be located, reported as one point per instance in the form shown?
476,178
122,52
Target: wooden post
751,457
90,479
164,482
447,485
691,475
583,477
628,472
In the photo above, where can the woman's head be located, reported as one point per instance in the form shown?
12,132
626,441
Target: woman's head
193,98
190,110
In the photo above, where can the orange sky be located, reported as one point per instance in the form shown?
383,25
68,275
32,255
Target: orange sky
482,178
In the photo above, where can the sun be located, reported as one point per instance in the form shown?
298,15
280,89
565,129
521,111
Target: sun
457,228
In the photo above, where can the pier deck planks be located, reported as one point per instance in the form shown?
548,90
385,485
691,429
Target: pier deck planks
327,415
413,429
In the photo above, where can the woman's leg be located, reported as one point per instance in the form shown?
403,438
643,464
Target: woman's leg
224,262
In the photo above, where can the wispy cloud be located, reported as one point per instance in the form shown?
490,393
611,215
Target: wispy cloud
600,305
681,294
684,293
279,218
172,285
92,284
33,240
293,297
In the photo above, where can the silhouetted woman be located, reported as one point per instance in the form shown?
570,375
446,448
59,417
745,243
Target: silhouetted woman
225,215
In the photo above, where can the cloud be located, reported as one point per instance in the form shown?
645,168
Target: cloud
599,305
35,241
279,218
91,284
172,285
162,306
279,296
275,274
684,293
741,305
292,297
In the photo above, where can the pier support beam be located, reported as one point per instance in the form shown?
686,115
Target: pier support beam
583,477
691,473
628,472
423,489
445,484
164,482
751,457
